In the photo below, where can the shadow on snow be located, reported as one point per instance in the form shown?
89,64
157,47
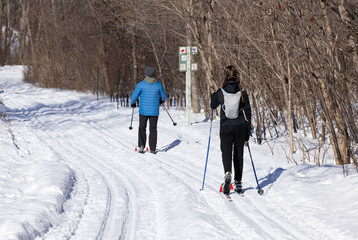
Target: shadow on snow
271,177
170,146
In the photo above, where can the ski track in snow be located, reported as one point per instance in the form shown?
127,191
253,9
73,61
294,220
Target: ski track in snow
113,190
120,194
105,187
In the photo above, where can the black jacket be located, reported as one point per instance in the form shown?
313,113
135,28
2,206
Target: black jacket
217,98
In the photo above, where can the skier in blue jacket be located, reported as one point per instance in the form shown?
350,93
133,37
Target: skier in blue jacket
151,94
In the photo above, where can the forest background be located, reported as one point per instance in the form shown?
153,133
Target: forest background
298,60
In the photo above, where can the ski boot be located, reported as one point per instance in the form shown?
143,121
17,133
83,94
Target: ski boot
227,183
238,186
141,149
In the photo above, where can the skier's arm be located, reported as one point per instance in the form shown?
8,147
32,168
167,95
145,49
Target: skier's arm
135,94
163,94
214,100
247,107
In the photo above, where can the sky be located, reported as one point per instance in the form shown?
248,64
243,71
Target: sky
69,170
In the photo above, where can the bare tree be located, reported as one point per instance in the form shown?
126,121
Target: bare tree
297,59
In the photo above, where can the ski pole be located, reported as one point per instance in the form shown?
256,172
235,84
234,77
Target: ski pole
174,123
207,154
130,127
260,191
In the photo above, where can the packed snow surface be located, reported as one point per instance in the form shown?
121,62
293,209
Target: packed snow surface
69,170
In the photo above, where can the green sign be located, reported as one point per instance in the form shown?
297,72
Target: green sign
182,59
184,56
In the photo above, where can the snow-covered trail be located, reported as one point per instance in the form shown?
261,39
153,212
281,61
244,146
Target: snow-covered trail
118,193
125,195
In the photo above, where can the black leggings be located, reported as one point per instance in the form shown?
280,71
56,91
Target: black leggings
142,133
232,140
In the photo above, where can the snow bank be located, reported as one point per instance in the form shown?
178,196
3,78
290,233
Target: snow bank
320,196
34,183
33,189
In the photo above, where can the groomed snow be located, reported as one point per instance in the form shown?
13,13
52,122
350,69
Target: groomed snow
68,170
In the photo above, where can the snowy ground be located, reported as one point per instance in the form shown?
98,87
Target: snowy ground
68,170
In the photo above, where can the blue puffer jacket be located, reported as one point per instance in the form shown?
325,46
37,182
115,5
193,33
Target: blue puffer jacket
149,91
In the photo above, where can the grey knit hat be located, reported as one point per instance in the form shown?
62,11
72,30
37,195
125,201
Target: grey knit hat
149,72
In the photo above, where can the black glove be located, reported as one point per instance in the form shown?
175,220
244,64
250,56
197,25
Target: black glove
214,101
133,105
160,101
248,131
247,136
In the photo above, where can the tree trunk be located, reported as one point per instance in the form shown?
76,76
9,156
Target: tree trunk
307,109
324,97
268,127
352,38
134,59
206,52
258,120
290,113
324,123
195,93
274,121
22,41
263,122
194,80
31,43
7,43
103,81
343,139
311,120
302,122
1,33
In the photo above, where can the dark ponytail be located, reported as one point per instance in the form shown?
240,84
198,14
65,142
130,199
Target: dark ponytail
231,72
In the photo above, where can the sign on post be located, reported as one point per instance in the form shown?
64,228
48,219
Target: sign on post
185,65
182,59
194,67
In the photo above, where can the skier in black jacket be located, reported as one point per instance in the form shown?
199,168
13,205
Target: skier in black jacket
235,125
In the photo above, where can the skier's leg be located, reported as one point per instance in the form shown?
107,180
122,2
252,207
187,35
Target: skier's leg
239,152
238,160
153,120
142,136
226,143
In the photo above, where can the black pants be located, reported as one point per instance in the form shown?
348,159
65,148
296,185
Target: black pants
142,133
232,149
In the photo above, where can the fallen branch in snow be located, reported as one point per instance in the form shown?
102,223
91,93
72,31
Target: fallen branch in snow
288,157
304,151
271,148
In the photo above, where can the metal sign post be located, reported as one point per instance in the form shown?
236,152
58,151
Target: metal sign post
185,65
188,88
